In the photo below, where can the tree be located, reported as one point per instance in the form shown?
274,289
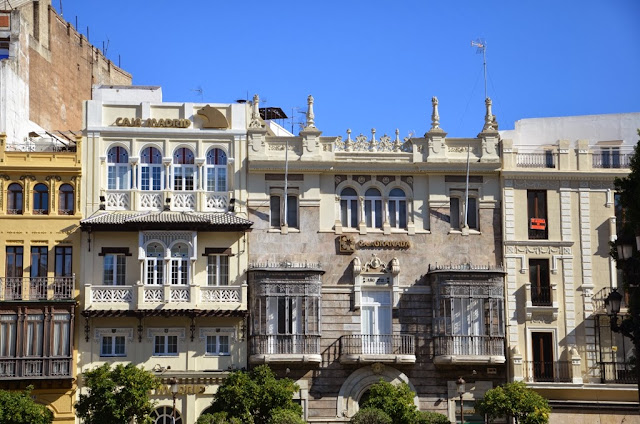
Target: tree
117,396
370,416
19,408
256,397
515,400
628,191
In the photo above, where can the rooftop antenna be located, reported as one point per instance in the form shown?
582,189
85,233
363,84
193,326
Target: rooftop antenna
481,44
293,117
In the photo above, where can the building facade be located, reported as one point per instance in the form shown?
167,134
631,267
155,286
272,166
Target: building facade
164,244
363,266
559,217
40,256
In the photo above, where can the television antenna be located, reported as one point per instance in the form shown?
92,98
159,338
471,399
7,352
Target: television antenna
200,91
481,44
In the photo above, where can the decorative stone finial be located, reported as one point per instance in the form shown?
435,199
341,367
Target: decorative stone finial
373,142
435,117
396,143
310,115
348,145
488,117
255,113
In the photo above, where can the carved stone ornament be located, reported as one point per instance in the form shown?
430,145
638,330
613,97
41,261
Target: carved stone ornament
347,244
435,116
212,118
377,368
310,115
255,113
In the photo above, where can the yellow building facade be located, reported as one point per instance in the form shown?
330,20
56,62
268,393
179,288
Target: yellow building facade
40,255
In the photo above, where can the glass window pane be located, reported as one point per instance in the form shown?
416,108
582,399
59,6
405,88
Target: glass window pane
275,211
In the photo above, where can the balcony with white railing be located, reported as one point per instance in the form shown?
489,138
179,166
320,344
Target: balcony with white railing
140,297
285,348
468,350
384,348
37,288
144,200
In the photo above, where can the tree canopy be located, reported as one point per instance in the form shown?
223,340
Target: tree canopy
628,192
257,397
515,400
117,396
19,408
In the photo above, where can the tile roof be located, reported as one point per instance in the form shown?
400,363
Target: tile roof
200,219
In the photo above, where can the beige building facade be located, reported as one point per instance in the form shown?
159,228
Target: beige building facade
164,243
559,217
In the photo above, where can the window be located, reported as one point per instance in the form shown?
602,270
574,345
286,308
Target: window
610,157
218,270
373,208
34,336
376,322
4,48
539,278
154,264
38,272
151,173
118,169
63,261
13,274
165,345
61,334
537,210
217,345
14,199
349,208
397,208
65,200
543,363
40,199
114,269
216,170
184,170
113,345
457,211
179,263
8,335
165,415
276,205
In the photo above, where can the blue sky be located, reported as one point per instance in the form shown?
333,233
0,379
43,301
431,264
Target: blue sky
376,64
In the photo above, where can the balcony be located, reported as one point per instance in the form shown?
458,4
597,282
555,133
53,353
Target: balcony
35,368
385,348
536,160
610,160
618,373
548,372
37,288
541,300
145,200
469,350
140,297
285,348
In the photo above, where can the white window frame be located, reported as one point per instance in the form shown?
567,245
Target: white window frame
292,193
215,266
150,167
165,333
371,203
157,265
102,333
460,195
217,338
113,352
397,201
216,170
347,208
118,173
179,266
119,263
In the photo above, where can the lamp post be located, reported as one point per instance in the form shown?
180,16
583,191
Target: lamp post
460,388
629,326
174,393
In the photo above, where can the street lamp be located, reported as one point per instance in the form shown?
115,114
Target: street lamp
174,393
460,388
629,326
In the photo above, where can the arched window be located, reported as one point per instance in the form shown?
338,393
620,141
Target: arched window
164,415
216,170
184,170
154,264
118,169
180,264
373,208
349,208
65,200
14,199
397,208
41,199
151,173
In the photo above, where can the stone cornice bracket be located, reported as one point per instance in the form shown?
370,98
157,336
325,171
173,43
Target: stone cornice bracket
27,177
255,113
310,115
53,177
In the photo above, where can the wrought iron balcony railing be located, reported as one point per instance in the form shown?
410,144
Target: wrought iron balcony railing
37,288
618,372
469,345
548,371
378,344
541,296
285,344
35,368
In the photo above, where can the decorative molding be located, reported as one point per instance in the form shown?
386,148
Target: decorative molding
171,331
99,332
213,331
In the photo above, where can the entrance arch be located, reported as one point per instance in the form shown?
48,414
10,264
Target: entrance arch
359,382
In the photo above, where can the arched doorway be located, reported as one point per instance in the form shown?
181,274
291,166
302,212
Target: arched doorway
164,415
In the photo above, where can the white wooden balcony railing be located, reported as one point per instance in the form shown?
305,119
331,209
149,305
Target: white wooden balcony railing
174,296
37,288
145,200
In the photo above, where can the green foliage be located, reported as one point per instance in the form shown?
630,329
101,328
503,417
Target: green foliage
117,396
428,417
517,401
217,418
19,408
371,416
254,396
628,189
395,400
285,416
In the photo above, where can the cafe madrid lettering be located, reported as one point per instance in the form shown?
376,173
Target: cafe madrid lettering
153,122
384,243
